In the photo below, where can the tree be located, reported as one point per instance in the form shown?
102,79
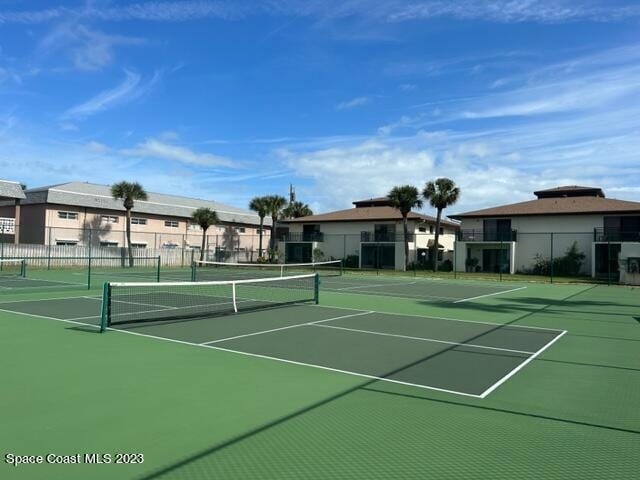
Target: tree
440,193
275,205
404,198
129,192
205,217
296,210
260,205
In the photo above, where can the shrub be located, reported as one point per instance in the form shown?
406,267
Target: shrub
446,266
352,261
568,265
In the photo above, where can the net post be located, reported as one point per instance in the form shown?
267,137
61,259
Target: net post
106,307
316,289
23,272
158,269
341,266
233,297
193,270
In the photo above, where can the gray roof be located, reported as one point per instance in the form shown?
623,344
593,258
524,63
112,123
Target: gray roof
10,190
83,194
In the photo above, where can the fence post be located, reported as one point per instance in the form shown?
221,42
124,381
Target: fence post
49,248
551,260
89,273
499,264
158,272
608,261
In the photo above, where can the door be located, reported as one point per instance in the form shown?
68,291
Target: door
495,260
378,255
298,252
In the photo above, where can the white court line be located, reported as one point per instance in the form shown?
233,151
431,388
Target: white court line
255,355
375,286
52,298
520,367
423,339
489,294
446,318
284,328
392,295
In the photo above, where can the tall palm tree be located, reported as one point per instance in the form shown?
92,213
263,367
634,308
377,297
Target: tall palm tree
440,193
404,198
129,192
296,210
205,217
275,205
260,205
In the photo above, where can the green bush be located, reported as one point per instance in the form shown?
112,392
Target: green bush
352,261
446,266
568,265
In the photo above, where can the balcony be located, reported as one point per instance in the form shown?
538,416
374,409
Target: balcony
615,235
385,237
303,237
487,235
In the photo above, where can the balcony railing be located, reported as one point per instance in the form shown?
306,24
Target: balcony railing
385,237
487,235
303,237
615,235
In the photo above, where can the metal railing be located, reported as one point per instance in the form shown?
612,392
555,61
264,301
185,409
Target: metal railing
303,237
615,235
487,235
385,237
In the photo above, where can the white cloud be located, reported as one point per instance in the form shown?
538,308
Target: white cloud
156,148
129,90
354,102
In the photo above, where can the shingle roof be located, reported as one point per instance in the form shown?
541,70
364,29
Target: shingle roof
556,206
570,191
362,214
83,194
10,190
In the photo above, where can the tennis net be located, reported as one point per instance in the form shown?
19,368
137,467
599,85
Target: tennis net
209,270
155,302
13,267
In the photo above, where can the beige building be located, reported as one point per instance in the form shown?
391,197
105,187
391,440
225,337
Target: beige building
80,213
11,193
367,236
517,237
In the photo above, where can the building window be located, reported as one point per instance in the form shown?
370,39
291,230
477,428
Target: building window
260,230
138,221
240,229
68,215
108,219
170,245
194,226
108,243
7,225
171,223
138,245
430,228
441,230
422,229
67,243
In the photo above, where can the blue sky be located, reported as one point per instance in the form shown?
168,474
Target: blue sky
344,99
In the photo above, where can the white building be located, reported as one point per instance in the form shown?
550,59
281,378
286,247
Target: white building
513,238
367,236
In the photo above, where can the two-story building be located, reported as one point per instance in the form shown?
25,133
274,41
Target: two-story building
367,236
11,193
81,213
512,238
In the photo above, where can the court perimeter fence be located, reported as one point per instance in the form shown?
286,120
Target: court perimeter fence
598,255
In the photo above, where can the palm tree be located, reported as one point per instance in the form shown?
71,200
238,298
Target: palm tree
129,192
275,205
205,217
440,193
404,198
260,205
296,210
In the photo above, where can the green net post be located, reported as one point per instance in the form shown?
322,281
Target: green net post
316,289
106,307
158,269
193,270
342,266
23,273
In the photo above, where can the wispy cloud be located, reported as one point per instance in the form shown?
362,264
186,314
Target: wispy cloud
130,89
159,148
353,103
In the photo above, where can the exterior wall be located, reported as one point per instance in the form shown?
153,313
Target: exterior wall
629,249
534,238
342,239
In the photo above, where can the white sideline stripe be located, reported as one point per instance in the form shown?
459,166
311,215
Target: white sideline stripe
375,286
446,318
255,355
220,282
52,298
423,339
392,295
520,367
284,328
490,294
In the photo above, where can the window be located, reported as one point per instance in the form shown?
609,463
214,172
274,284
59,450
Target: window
67,243
138,221
108,219
194,226
138,245
7,225
170,245
171,223
260,230
441,231
108,243
68,215
240,229
430,228
422,229
497,229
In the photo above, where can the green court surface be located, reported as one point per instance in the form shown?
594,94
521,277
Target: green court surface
388,377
